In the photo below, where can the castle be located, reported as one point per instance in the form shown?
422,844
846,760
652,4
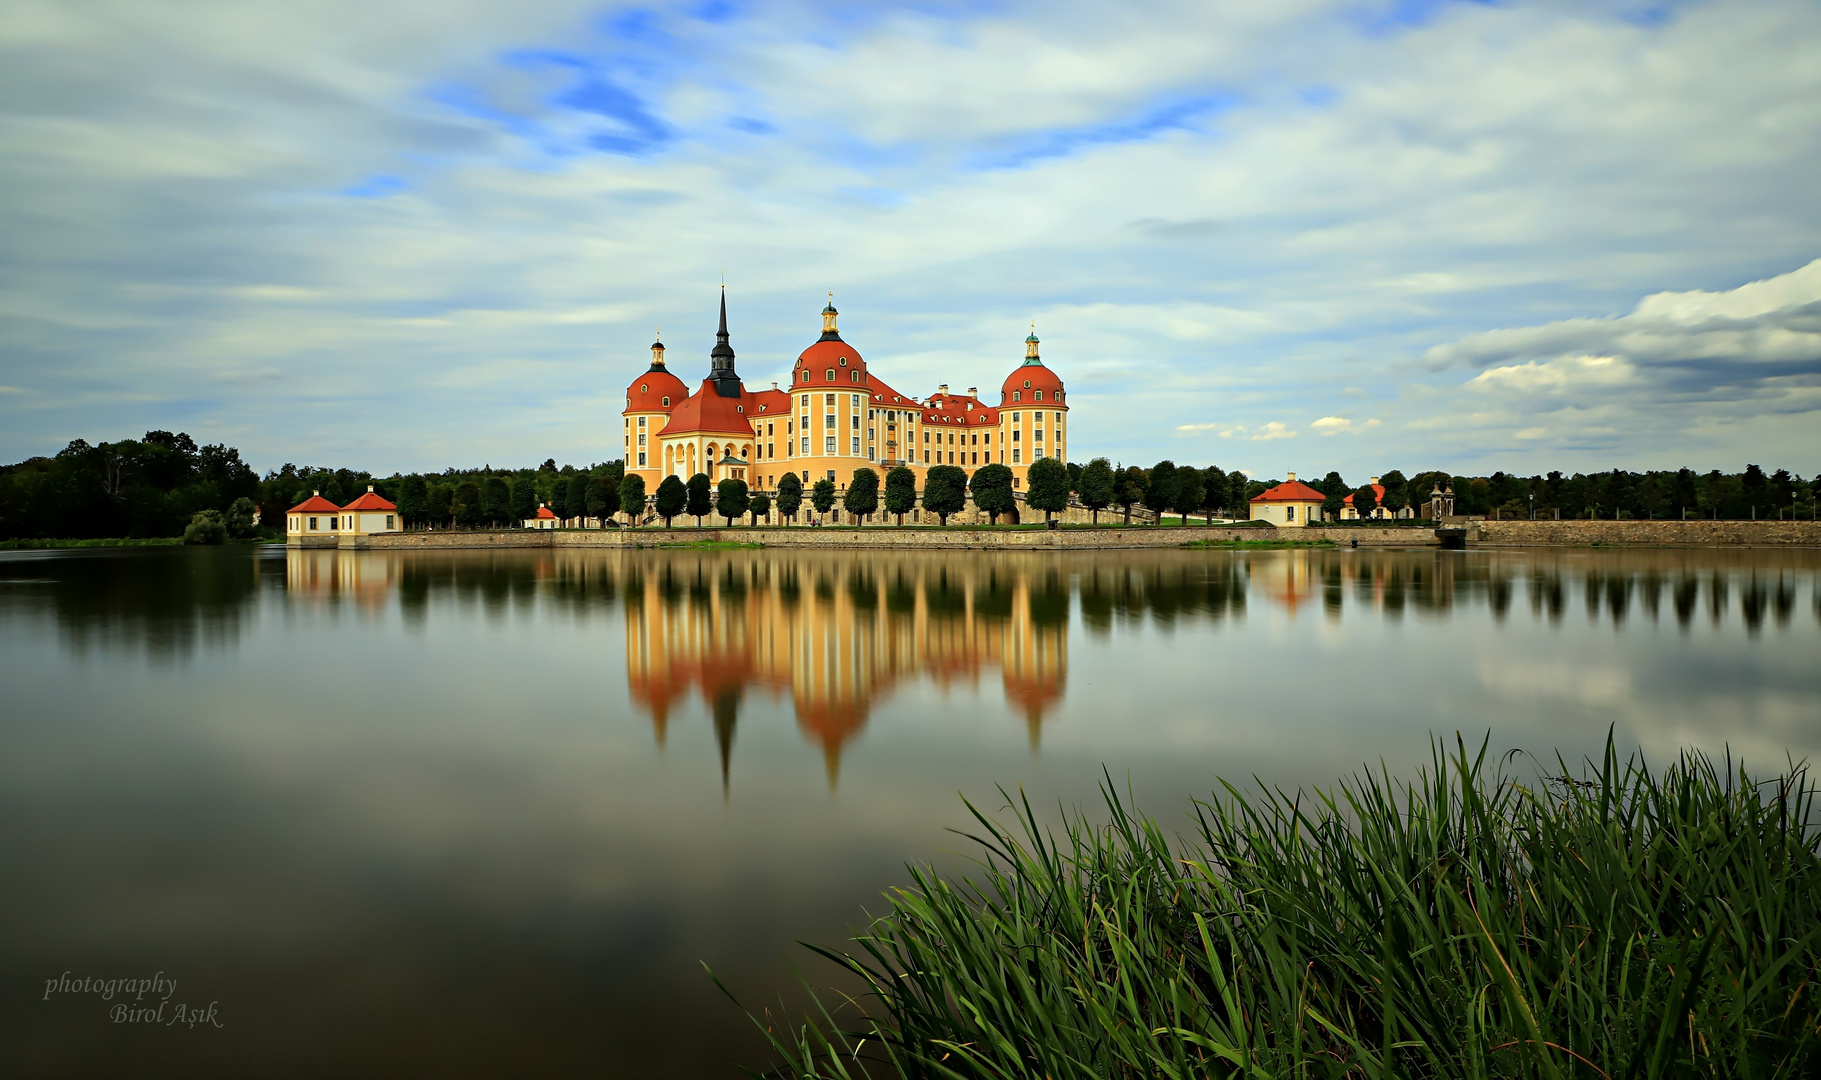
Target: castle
836,417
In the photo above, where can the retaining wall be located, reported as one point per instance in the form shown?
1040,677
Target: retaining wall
1582,533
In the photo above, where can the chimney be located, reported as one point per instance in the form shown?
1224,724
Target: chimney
943,389
774,384
369,489
1292,479
1374,480
973,391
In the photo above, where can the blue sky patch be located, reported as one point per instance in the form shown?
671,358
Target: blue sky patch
1175,116
377,187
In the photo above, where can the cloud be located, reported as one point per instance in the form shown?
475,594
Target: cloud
1331,425
458,227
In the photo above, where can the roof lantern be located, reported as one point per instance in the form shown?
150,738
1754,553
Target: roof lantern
829,330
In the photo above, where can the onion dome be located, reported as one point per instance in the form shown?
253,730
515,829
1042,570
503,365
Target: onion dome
657,390
830,363
1031,381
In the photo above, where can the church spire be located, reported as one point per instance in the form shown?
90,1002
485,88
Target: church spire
720,359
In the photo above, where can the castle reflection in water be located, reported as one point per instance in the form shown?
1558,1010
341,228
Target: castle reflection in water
838,632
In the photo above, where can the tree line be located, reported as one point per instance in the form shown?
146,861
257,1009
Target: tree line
159,484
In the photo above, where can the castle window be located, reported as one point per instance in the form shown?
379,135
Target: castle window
806,401
805,374
1027,384
831,374
1014,457
641,421
667,403
644,388
1039,395
844,361
828,400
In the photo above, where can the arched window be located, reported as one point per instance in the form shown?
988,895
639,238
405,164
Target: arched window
742,408
853,376
1017,395
667,402
1039,395
805,375
831,374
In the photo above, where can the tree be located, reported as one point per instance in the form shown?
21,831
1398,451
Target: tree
1049,487
790,496
672,499
1160,488
1397,492
1189,492
822,495
992,488
559,497
1075,472
760,506
701,497
603,497
632,498
239,518
900,492
549,465
1365,501
1239,499
206,527
1334,495
496,500
944,491
1096,486
413,500
862,493
575,502
467,506
1213,491
442,503
732,499
1129,490
524,499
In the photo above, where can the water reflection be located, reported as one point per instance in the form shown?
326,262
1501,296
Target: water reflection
838,633
165,604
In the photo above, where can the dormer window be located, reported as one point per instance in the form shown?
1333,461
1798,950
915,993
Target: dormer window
644,388
831,374
667,402
1027,384
1017,395
844,361
1039,395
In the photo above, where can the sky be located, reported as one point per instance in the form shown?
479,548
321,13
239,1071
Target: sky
1294,236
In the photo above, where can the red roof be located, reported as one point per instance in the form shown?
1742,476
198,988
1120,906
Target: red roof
771,402
370,501
1378,490
315,504
647,392
544,514
1293,491
707,411
818,358
953,409
1028,378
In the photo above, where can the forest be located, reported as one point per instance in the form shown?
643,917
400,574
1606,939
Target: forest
155,485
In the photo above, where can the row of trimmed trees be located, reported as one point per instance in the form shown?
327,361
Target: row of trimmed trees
945,491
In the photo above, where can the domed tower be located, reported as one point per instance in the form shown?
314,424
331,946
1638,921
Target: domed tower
833,428
649,400
1032,413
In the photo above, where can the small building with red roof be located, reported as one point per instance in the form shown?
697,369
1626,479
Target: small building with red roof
1348,513
1291,504
544,519
312,523
371,513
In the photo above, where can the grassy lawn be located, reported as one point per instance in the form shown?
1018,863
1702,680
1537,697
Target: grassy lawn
39,545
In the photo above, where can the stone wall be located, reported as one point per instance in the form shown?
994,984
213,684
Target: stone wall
1581,533
805,537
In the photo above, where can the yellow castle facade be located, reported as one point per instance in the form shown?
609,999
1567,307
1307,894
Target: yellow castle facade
838,416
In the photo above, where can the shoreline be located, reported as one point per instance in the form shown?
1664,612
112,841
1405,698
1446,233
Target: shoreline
1560,534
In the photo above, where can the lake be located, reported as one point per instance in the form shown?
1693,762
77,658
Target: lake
490,813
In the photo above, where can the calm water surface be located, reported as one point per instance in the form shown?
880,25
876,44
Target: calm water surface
487,814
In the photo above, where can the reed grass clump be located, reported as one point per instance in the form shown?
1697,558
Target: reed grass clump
1619,923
